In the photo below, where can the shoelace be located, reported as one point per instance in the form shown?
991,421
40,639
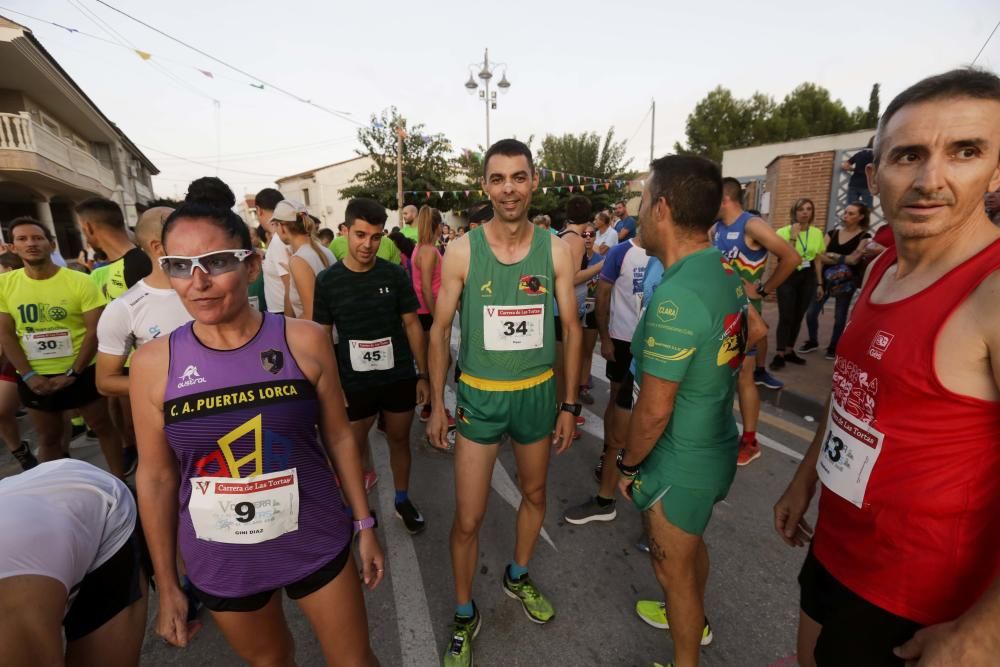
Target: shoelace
457,642
527,589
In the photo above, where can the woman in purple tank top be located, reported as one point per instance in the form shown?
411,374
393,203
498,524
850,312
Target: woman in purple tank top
238,416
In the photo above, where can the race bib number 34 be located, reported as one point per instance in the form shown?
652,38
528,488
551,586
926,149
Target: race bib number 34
245,511
372,355
508,328
48,344
848,455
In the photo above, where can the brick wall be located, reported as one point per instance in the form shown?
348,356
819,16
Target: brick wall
791,177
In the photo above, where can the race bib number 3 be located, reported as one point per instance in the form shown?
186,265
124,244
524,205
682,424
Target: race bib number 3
245,511
48,344
372,355
509,328
848,455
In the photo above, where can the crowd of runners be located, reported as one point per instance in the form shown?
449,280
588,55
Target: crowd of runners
238,375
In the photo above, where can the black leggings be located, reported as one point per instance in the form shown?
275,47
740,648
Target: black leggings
794,297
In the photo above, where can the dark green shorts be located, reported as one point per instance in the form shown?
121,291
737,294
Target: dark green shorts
688,509
524,410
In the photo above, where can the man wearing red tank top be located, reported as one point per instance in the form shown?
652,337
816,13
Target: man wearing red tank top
904,565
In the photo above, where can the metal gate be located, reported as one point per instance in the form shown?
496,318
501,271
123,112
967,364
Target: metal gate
838,193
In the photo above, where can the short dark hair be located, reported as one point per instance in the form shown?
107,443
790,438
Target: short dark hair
267,199
362,208
692,187
509,148
325,234
101,211
211,190
223,218
733,189
964,82
578,209
28,220
622,202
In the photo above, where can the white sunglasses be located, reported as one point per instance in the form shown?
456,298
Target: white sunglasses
212,263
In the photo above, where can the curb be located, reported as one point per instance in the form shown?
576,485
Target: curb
792,401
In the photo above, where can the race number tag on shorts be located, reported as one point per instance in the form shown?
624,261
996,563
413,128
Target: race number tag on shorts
372,355
245,511
848,454
804,264
48,344
508,328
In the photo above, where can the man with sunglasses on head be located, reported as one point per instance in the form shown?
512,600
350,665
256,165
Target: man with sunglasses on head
48,331
381,352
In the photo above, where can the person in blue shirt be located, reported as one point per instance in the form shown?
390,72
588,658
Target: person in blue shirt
626,223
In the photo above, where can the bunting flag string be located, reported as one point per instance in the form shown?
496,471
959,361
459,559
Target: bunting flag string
593,187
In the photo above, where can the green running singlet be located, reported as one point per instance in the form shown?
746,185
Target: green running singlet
508,325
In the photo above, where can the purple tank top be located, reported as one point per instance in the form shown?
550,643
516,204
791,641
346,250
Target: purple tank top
238,414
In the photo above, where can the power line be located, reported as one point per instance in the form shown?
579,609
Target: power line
983,47
340,114
641,122
210,165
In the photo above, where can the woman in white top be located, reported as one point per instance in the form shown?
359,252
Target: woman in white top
307,259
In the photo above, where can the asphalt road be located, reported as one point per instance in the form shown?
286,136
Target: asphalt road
593,574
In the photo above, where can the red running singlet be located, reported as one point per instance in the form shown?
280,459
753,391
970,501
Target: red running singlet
909,516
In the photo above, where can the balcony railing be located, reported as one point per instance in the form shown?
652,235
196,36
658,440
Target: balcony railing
19,132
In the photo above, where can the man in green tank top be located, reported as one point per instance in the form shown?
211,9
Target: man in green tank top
508,275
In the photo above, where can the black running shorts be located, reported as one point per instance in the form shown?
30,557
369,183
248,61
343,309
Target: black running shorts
855,631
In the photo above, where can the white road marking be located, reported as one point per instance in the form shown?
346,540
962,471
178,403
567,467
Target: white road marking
413,616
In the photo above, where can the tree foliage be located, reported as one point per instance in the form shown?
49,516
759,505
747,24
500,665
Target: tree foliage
721,121
586,154
427,166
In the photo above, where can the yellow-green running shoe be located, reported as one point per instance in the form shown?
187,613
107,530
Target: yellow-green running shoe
655,613
463,631
535,606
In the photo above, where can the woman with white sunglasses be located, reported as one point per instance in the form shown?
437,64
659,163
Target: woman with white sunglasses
227,412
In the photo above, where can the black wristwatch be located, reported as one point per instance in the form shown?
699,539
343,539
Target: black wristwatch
572,408
627,471
763,293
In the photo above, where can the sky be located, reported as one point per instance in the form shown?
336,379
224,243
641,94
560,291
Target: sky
573,67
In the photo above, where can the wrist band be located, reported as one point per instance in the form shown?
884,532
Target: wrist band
27,376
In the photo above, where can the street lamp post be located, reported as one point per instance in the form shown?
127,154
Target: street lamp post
485,74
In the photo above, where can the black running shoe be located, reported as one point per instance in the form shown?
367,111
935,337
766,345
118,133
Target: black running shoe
130,460
777,363
411,516
24,456
808,346
792,358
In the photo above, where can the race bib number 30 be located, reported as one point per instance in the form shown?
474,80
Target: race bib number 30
372,355
848,455
509,328
245,511
48,344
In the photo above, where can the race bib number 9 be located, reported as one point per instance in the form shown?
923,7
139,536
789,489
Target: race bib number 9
510,328
848,455
372,355
48,344
245,511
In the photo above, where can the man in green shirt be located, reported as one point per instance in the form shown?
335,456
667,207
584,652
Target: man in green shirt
680,454
409,227
387,251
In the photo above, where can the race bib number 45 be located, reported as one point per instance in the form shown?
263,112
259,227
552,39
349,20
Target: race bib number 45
245,511
372,355
48,344
509,328
848,455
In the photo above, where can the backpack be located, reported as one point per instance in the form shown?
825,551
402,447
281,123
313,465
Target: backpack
839,279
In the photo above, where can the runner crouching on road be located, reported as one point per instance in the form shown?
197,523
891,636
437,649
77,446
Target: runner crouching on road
70,567
680,454
227,411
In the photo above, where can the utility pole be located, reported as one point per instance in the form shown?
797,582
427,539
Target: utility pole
652,133
399,173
